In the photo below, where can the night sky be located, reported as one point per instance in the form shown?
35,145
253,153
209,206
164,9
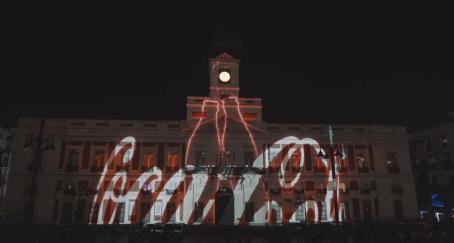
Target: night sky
373,67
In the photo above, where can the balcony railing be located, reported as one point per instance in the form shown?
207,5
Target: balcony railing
71,168
342,170
320,169
146,168
363,169
171,168
96,168
344,192
33,167
122,167
320,190
365,190
393,169
275,191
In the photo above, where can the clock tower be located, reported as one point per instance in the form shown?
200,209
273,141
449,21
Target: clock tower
224,76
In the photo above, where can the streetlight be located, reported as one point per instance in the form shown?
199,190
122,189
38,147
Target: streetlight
39,145
331,155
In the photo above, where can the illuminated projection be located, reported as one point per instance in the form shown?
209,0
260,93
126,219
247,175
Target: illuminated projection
269,187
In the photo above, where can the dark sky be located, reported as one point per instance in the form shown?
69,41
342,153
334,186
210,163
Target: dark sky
373,66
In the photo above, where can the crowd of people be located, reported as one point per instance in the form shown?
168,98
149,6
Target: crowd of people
363,232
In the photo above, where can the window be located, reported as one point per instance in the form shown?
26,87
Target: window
398,209
353,185
157,210
83,186
200,157
428,144
59,186
121,212
309,186
324,211
198,208
172,162
300,212
99,158
295,160
80,210
74,157
249,207
391,158
360,160
55,210
148,161
356,209
67,212
248,158
373,185
444,140
144,208
275,212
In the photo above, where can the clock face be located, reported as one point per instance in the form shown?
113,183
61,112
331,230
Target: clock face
224,76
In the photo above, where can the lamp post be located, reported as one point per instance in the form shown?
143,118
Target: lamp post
39,145
331,156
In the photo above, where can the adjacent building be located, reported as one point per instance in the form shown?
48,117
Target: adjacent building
221,165
5,160
432,151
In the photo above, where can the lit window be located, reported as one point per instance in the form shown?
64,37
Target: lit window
148,160
172,160
99,158
361,161
444,140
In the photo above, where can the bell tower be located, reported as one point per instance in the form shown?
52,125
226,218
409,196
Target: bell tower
224,76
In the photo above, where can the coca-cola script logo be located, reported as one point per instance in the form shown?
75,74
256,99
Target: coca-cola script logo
264,188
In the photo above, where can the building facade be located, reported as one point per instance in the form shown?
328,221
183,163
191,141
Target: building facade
6,144
222,165
432,151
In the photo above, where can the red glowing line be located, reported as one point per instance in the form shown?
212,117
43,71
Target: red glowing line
217,126
225,124
195,130
245,126
229,106
223,88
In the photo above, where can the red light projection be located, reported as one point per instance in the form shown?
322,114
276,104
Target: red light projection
269,189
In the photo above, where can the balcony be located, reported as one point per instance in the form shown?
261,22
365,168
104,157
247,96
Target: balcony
365,190
122,167
344,192
363,169
342,170
393,169
320,169
171,168
71,168
273,169
275,191
298,191
171,191
34,167
70,191
96,168
146,168
320,190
